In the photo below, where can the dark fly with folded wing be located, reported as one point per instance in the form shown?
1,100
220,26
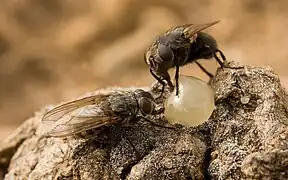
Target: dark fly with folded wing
179,46
95,112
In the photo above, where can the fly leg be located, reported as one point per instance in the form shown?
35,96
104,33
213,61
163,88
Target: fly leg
93,140
161,81
218,59
177,77
155,124
137,154
224,59
168,79
204,70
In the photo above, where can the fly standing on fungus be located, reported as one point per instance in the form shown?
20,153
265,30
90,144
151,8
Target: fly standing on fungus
179,46
91,114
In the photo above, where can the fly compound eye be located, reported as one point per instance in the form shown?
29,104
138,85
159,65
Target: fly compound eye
147,95
163,39
146,106
165,53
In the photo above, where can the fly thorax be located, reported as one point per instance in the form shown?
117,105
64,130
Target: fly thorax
124,104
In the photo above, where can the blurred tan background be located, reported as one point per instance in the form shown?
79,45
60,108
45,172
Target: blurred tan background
56,50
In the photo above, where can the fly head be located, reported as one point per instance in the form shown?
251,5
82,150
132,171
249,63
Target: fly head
160,58
177,47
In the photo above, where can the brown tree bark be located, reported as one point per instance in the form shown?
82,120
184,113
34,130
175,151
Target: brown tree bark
245,138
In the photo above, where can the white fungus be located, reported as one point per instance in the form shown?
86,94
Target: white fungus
194,104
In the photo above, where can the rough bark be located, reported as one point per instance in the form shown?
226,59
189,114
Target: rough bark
249,126
245,138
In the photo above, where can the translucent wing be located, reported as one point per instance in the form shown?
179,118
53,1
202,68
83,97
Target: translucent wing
80,115
194,28
73,128
191,30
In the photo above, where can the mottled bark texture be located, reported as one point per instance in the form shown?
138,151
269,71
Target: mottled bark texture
245,138
249,127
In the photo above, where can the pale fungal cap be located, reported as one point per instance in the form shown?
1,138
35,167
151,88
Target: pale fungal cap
194,104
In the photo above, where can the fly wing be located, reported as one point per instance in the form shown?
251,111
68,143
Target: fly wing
191,30
87,123
80,115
